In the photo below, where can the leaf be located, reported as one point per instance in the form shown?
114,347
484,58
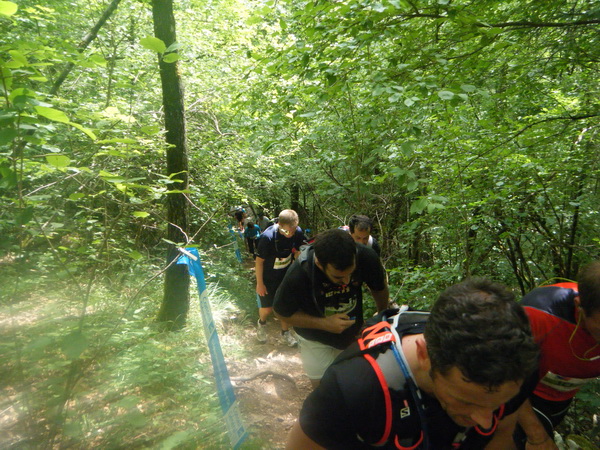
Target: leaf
135,255
98,59
18,56
171,57
446,95
74,344
8,8
8,178
418,206
468,87
141,214
87,131
58,160
25,216
150,130
52,114
153,43
7,135
173,47
117,141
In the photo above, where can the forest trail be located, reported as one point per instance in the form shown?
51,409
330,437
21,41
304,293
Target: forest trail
270,386
269,382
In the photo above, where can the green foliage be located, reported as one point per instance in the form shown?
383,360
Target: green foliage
580,426
115,381
427,113
467,130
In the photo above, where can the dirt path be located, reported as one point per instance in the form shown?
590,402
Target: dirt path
270,401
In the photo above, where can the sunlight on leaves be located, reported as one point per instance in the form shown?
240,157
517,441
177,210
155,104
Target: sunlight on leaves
8,8
153,43
58,160
52,114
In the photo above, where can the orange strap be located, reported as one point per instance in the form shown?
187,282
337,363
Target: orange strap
380,333
387,399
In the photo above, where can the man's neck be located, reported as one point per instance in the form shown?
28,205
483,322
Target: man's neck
420,375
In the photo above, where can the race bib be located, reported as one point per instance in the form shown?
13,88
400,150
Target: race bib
282,263
563,384
342,308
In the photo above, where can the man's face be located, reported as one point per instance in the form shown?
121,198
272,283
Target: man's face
287,230
339,277
591,324
467,403
361,236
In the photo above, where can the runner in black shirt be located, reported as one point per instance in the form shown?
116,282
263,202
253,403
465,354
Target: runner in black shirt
460,379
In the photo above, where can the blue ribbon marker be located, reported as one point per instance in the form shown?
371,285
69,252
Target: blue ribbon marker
229,405
238,253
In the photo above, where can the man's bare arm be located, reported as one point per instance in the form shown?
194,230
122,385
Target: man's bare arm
537,437
259,265
382,298
298,440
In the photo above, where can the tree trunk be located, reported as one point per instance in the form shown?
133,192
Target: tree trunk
176,300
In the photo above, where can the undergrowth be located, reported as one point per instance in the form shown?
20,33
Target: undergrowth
108,378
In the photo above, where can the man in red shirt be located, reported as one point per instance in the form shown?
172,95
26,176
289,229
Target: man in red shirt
565,322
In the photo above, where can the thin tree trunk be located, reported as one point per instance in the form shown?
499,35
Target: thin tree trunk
175,302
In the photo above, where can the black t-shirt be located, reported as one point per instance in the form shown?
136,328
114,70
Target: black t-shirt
276,250
347,411
375,246
306,288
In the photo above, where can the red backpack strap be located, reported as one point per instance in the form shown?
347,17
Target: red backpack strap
378,334
419,442
386,397
496,418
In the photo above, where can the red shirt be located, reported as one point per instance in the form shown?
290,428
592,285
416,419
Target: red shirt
553,317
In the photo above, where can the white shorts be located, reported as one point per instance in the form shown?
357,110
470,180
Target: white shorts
316,357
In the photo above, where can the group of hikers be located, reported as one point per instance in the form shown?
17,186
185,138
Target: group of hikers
479,370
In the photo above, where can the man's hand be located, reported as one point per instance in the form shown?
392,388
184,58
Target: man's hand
537,437
261,289
543,444
338,323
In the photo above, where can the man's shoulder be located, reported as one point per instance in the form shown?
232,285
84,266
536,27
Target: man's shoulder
555,303
367,257
297,273
267,237
550,297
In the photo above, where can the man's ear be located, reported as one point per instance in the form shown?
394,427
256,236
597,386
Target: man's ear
318,264
423,355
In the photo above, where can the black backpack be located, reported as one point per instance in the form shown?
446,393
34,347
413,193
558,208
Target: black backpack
402,397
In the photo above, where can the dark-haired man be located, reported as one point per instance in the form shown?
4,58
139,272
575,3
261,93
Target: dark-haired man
321,296
360,228
449,382
565,322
